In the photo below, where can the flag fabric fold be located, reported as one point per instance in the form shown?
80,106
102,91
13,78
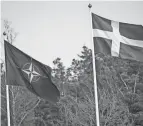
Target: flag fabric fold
117,39
23,70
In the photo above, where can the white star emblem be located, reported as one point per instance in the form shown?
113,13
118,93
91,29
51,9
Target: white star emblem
32,72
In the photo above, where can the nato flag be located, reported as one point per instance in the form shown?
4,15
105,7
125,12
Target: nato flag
23,70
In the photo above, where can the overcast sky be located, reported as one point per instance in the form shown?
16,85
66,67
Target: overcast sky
48,30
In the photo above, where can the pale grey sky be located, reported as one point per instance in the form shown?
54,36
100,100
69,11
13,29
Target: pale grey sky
48,30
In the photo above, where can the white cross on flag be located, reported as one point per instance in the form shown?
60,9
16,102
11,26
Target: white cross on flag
117,39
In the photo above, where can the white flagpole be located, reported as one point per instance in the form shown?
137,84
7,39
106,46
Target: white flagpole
7,94
94,71
8,106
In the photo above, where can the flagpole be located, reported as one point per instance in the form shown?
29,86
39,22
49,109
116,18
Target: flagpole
94,71
7,93
8,106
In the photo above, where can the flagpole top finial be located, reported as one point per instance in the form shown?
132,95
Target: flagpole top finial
4,33
89,5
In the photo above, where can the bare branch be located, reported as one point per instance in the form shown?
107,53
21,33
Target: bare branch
121,92
135,85
3,109
136,82
123,81
16,96
29,112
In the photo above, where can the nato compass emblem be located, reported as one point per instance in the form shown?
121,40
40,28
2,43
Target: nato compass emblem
31,72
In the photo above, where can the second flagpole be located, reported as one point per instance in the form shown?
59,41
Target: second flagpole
94,71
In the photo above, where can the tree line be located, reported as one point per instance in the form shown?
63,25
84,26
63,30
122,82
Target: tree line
120,93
